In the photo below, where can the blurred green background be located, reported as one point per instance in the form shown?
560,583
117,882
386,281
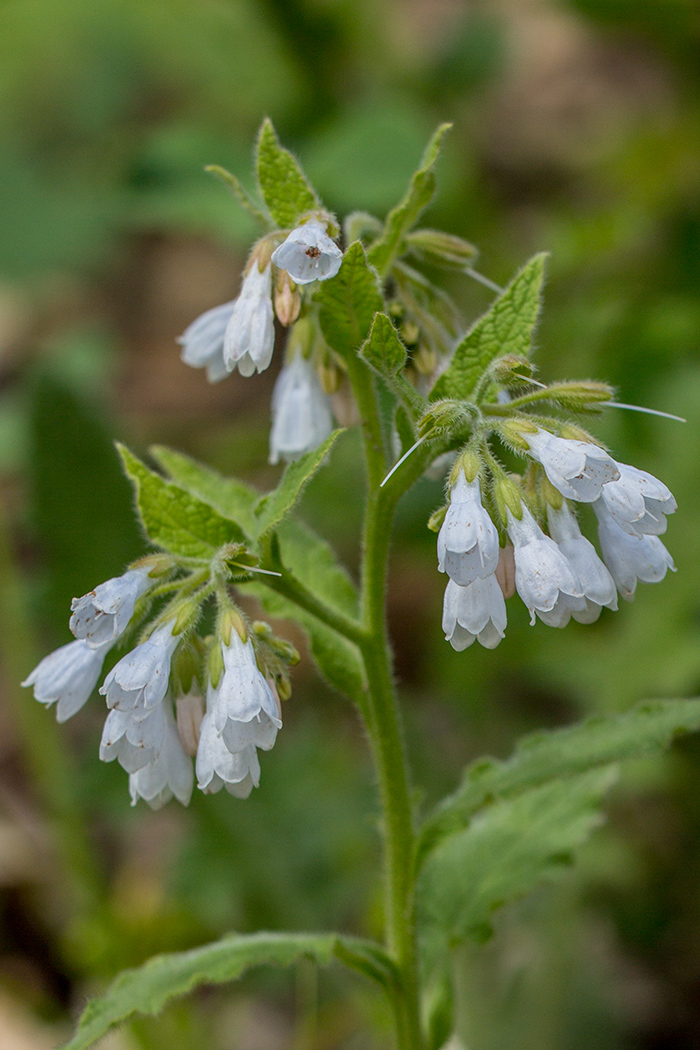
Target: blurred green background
575,130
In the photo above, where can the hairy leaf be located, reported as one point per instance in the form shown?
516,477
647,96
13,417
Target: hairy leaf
283,185
173,518
506,851
349,302
560,753
405,215
147,989
506,328
232,498
383,350
272,508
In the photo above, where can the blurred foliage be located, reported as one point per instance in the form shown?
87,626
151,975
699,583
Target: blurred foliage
575,131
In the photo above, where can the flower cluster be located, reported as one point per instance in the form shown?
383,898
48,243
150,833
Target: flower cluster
558,575
157,720
241,334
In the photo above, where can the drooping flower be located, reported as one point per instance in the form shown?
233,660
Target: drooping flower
467,543
217,767
639,502
243,705
67,677
140,680
203,341
308,254
476,611
301,412
168,773
630,558
133,741
103,615
250,333
596,582
578,469
544,578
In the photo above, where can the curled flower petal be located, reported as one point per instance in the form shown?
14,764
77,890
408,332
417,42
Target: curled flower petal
468,541
249,338
67,677
102,615
301,412
169,773
308,254
477,611
543,575
578,469
140,680
597,583
638,502
203,341
630,558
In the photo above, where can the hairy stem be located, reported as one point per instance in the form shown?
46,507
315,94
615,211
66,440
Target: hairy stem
384,726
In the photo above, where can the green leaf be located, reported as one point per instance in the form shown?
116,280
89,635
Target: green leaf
283,185
239,191
349,302
645,729
383,350
506,851
405,215
506,328
173,518
303,553
146,990
272,508
230,497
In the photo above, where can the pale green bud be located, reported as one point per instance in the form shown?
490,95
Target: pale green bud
446,249
508,495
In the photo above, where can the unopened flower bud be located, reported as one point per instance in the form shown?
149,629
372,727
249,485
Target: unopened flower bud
508,497
189,711
157,564
231,620
515,432
287,299
443,417
469,463
216,664
330,376
437,517
410,333
579,396
185,614
283,686
505,571
511,369
424,360
443,248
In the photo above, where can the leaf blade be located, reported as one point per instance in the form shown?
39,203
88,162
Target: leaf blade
349,302
147,989
274,506
598,741
283,185
173,518
506,327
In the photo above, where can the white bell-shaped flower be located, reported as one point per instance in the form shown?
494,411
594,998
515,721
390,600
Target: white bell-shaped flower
301,411
639,502
140,680
250,333
544,578
467,543
203,341
308,254
597,583
103,615
244,707
169,773
67,677
217,767
630,558
578,469
133,741
476,611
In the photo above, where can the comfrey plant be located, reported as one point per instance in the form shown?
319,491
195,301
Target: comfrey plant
197,690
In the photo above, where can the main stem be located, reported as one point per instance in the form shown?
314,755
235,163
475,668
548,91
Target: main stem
385,726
